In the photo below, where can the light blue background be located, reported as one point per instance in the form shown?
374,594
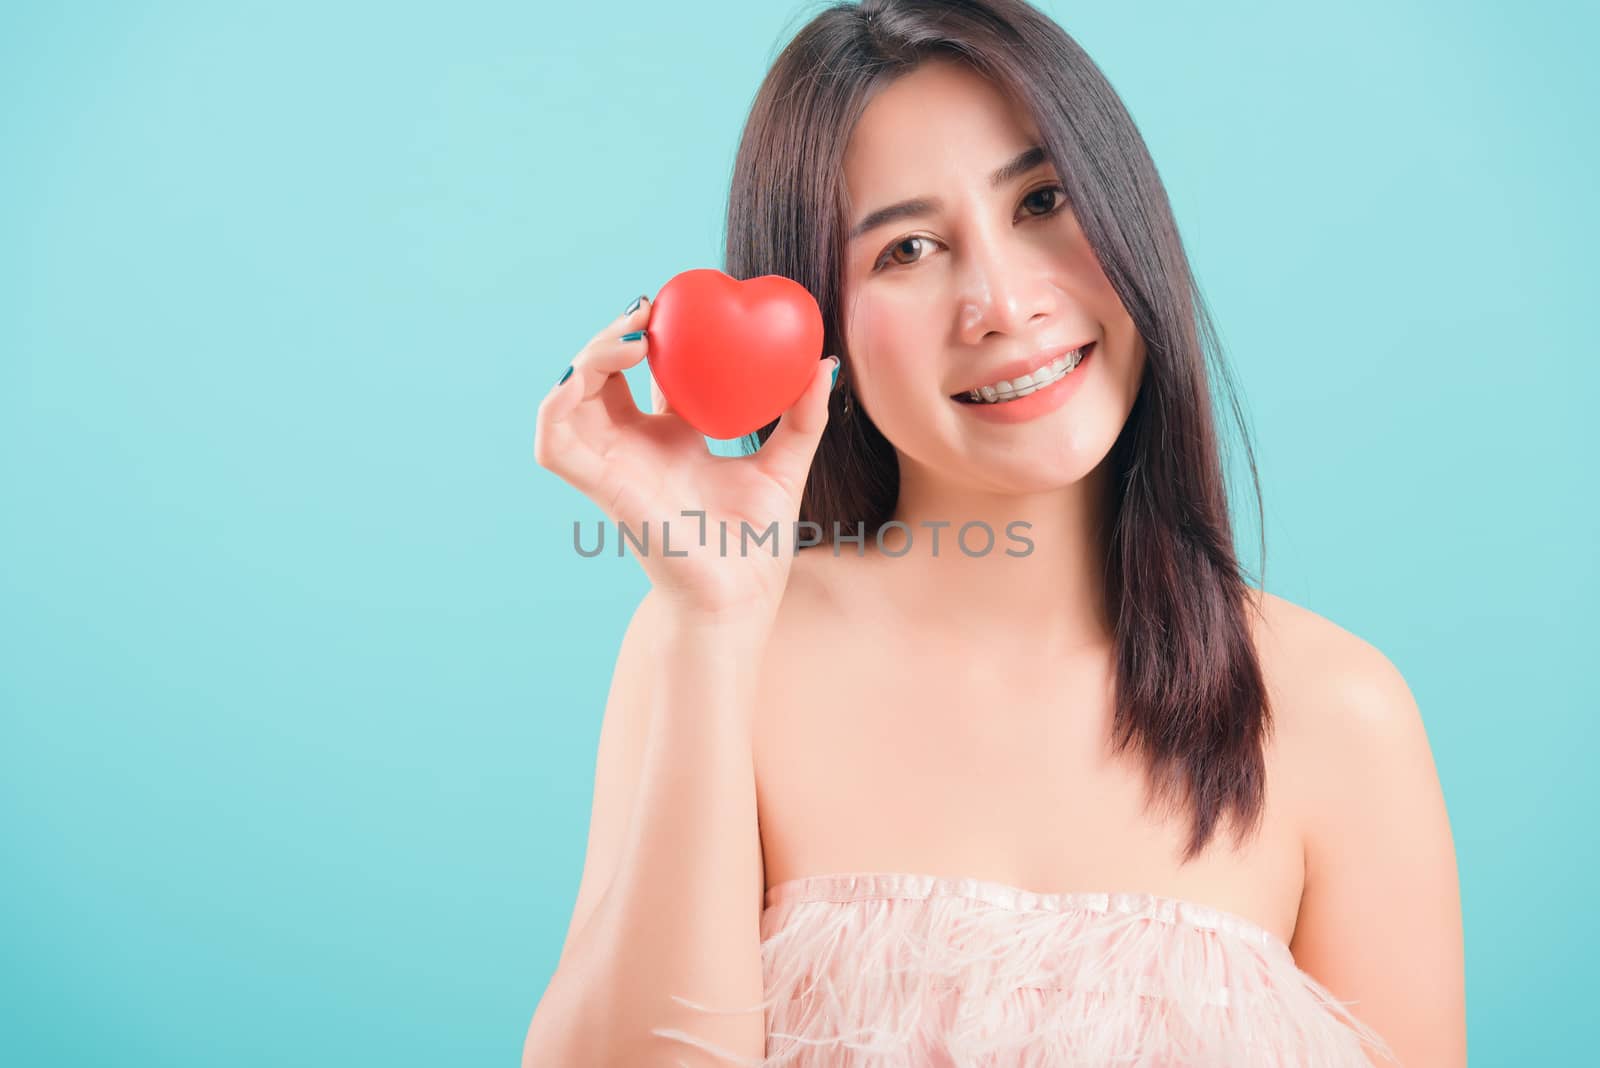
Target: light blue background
301,682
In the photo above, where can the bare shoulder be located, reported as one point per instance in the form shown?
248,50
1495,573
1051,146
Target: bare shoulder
811,579
1380,915
1330,683
1342,713
803,625
1343,705
813,600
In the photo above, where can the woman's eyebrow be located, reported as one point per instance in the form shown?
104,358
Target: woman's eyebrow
1024,162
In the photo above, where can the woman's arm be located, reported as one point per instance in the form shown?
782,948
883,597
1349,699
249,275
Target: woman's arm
679,918
1380,916
672,890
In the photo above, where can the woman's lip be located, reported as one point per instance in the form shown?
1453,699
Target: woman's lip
1085,348
1039,403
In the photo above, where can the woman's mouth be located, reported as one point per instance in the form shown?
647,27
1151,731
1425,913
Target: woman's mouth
1005,391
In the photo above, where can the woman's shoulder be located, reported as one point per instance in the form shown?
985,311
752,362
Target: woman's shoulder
1321,677
1332,691
818,578
1312,651
822,612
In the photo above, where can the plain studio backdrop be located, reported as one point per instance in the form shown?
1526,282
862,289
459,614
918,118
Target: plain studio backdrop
300,676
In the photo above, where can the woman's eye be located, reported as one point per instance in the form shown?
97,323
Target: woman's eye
1057,193
888,254
1057,201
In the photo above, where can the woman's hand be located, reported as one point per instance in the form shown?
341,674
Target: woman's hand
648,468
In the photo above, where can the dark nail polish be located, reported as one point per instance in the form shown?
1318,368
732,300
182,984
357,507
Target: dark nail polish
634,306
633,335
565,375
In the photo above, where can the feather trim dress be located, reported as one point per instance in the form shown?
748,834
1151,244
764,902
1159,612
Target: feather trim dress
901,970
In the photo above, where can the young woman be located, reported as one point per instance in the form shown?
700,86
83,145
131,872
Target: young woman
1013,768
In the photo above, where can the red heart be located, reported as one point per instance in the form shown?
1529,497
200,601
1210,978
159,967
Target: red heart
732,356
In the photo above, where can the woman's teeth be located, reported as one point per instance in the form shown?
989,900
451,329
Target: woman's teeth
1004,390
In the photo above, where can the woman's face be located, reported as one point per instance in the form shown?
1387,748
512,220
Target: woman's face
956,297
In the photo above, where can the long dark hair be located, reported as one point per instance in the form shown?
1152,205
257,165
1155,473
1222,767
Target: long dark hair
1190,695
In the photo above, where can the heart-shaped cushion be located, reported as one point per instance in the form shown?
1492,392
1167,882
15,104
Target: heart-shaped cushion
732,356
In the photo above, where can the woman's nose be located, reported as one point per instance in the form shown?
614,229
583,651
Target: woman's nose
1004,290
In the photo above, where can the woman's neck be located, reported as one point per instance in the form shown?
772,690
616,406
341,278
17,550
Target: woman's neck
1022,568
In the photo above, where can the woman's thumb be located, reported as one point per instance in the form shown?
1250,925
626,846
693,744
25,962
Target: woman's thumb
788,450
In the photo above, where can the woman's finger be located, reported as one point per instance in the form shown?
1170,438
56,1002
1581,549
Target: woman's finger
658,400
592,370
559,448
786,455
596,375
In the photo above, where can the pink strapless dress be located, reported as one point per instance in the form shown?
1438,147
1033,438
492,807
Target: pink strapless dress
899,970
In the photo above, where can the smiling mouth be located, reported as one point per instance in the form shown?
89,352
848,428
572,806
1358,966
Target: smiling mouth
1043,378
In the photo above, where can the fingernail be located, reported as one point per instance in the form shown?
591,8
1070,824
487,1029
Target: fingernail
634,306
565,375
834,376
632,335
